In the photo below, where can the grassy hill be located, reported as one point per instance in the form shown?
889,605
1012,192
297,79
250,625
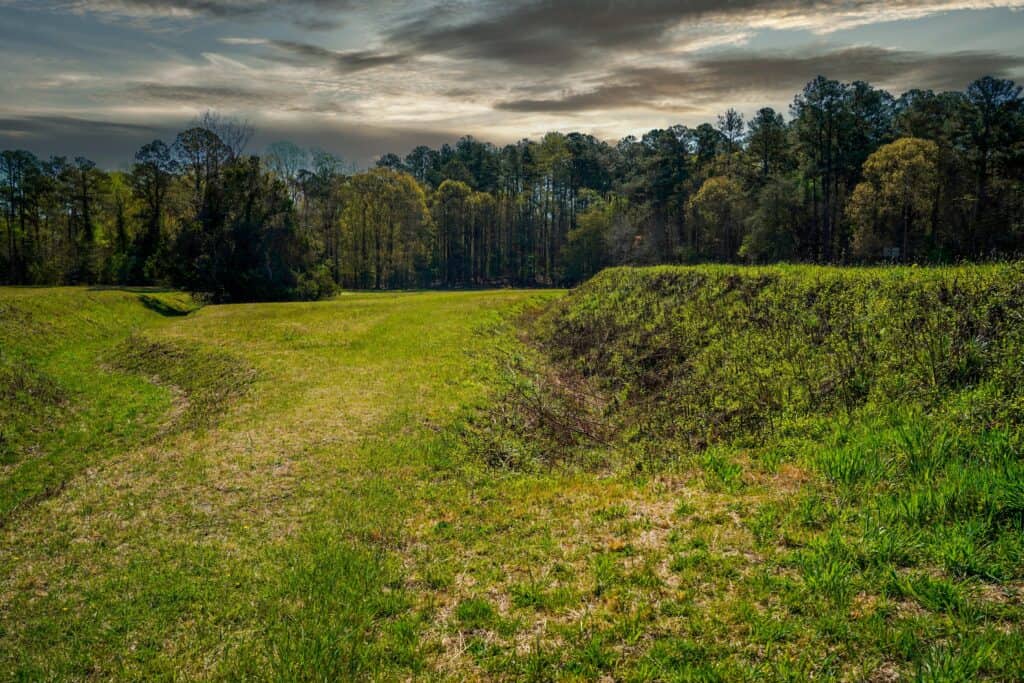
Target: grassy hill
667,474
718,355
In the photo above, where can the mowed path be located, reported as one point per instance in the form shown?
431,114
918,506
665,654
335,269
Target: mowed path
171,559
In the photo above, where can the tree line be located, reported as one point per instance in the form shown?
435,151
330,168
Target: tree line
852,175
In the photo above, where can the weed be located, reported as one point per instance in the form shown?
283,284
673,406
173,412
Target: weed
474,613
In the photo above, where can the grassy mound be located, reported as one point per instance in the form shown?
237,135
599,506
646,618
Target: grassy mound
29,400
723,354
203,380
902,388
77,382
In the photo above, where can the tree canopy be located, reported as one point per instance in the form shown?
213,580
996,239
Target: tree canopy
853,174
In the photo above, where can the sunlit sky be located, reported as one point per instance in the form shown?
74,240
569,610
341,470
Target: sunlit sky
101,77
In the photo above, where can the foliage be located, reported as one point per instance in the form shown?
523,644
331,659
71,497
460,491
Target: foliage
895,203
717,210
385,231
587,247
852,175
778,206
242,244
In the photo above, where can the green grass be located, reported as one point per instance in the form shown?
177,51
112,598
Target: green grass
60,411
332,491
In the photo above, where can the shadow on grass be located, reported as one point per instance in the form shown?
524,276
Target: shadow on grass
162,306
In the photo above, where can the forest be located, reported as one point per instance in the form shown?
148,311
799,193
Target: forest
852,175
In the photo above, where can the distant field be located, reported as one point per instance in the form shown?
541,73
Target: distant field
671,474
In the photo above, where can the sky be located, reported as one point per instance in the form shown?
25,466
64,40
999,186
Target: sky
99,78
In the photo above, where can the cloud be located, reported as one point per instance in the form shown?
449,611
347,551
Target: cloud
405,71
307,14
305,54
174,9
208,96
44,125
540,22
552,34
209,8
343,61
746,75
317,23
109,143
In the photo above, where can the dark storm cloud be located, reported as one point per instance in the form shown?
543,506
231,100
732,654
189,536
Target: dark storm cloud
113,145
708,80
559,33
343,61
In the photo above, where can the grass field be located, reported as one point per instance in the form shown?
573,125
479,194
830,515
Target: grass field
299,492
